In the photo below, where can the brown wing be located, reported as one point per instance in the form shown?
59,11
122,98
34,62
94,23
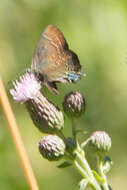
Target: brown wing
55,36
51,54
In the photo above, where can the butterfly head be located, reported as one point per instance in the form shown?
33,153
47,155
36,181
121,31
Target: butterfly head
73,73
75,62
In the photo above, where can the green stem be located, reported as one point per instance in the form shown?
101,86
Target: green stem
85,143
105,183
84,166
80,169
61,135
73,128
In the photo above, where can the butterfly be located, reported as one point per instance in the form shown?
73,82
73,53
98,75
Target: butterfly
53,61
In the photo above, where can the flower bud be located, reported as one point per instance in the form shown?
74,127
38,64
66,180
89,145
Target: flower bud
107,163
45,115
52,147
101,141
70,144
74,104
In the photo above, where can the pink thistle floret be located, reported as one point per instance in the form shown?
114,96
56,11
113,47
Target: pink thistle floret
25,88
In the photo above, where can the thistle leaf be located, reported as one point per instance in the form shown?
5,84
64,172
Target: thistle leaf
64,165
97,176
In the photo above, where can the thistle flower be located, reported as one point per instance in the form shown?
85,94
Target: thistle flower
74,104
25,88
45,115
101,141
52,147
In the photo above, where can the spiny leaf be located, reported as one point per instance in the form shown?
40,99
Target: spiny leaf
96,175
64,164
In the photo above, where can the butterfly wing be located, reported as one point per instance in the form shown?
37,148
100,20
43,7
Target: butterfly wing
51,54
53,61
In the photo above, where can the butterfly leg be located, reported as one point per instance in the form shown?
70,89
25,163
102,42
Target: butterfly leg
52,87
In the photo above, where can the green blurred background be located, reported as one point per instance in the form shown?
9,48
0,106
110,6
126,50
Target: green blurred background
97,32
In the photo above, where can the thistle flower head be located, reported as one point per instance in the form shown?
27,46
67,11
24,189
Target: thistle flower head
45,115
101,140
25,88
74,104
52,147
